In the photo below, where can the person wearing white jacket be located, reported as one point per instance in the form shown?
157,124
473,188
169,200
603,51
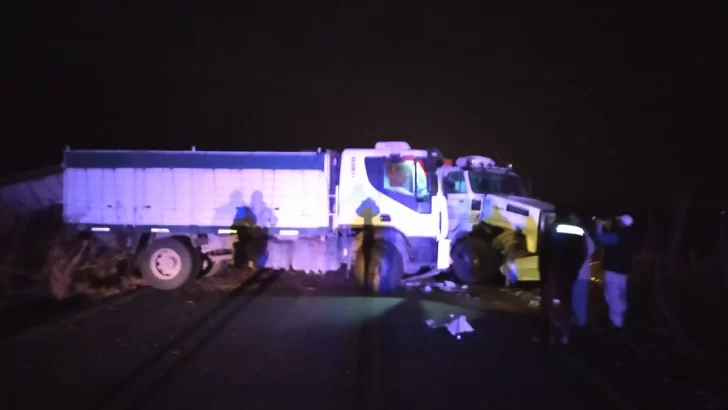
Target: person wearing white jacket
617,264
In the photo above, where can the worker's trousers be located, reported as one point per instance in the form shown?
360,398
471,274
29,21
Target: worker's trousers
580,298
615,293
580,292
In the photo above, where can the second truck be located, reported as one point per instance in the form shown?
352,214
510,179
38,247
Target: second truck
494,224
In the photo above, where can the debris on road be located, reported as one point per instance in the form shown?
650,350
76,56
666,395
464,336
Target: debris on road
446,286
443,281
532,298
429,274
456,325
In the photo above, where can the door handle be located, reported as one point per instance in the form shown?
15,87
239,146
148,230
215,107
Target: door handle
385,218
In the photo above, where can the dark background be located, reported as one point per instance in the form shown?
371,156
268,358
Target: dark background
594,105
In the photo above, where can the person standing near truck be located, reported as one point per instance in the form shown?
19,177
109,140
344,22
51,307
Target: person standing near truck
617,264
563,253
580,301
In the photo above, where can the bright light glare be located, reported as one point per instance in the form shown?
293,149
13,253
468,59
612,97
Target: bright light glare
570,229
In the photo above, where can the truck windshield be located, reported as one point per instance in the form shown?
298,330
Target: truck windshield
493,182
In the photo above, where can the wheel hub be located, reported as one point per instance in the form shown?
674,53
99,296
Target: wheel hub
165,264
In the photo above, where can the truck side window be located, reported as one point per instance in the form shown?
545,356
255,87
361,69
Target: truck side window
454,183
398,179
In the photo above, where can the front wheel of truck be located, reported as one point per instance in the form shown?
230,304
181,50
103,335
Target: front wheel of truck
379,269
472,259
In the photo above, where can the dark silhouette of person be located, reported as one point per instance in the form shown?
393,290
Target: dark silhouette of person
562,255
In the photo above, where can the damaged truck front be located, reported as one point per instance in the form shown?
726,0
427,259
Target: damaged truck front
494,225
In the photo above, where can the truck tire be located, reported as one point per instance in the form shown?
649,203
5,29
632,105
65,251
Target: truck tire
462,261
169,263
471,260
385,269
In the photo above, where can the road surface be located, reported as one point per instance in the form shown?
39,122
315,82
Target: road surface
268,345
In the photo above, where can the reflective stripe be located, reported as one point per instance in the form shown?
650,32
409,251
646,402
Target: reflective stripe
569,229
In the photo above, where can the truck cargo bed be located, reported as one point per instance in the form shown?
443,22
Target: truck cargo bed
198,190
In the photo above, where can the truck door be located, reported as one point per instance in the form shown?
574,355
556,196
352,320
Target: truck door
458,201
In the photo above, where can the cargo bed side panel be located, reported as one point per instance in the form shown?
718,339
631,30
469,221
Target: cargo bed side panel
197,189
197,197
99,196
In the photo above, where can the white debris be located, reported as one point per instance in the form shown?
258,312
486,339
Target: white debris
536,302
427,289
449,287
456,326
446,286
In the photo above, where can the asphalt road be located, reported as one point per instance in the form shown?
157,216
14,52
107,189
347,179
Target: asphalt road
268,345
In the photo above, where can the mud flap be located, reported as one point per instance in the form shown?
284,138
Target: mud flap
443,254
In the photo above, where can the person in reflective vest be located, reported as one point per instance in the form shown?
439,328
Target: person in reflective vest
562,255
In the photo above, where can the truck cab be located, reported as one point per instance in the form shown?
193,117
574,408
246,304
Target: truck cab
481,193
392,193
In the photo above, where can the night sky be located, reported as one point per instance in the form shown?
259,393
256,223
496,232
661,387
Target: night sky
592,105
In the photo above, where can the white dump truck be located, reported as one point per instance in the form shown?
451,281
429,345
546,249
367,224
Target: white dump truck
487,206
376,211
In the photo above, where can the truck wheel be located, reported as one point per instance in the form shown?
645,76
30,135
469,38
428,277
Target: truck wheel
462,261
470,259
169,263
385,268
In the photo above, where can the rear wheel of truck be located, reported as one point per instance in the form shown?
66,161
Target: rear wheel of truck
169,263
384,271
